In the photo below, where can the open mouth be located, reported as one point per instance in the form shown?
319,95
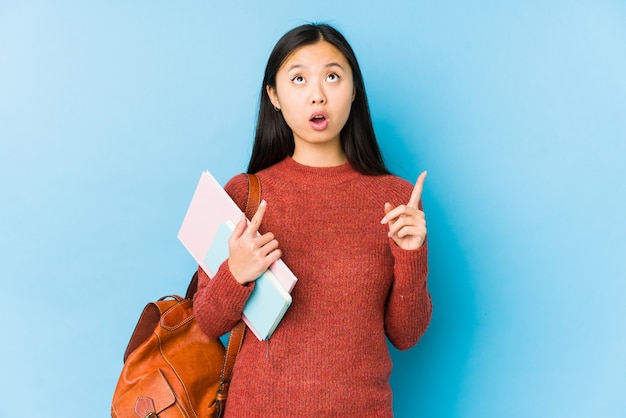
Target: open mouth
319,121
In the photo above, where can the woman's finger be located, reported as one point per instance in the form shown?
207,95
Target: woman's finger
394,214
255,222
262,240
273,256
415,220
239,228
416,195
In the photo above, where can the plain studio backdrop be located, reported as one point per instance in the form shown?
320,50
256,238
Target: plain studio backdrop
110,110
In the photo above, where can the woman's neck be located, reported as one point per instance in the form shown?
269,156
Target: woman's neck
319,155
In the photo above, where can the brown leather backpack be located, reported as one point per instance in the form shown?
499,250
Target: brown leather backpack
171,368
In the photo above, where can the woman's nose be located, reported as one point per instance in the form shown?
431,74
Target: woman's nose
317,95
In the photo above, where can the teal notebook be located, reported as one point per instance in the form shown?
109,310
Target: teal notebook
269,299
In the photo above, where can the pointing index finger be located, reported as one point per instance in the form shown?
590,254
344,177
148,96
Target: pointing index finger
416,195
255,222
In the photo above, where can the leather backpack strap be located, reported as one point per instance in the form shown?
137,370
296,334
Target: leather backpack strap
254,195
235,340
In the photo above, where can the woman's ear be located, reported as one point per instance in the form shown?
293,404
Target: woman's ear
271,92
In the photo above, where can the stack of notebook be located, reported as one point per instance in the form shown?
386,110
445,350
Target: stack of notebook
207,226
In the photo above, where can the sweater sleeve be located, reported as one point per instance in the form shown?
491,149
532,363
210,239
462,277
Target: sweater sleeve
218,303
409,306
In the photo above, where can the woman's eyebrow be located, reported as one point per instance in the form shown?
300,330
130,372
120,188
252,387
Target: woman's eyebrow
296,67
329,65
334,64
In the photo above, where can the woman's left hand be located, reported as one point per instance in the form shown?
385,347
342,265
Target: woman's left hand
407,223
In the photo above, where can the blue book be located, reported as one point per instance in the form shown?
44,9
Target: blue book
269,299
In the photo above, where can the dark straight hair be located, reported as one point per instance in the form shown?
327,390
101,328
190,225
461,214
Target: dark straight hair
274,139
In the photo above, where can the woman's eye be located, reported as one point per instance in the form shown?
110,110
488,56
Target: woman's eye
298,79
333,78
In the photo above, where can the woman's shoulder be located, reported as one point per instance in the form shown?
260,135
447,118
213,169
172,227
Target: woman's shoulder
237,189
391,182
394,180
237,186
387,187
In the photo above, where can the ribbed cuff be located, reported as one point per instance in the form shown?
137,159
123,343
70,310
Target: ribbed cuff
232,295
410,264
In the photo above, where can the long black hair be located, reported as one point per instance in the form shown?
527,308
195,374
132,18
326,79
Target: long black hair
274,139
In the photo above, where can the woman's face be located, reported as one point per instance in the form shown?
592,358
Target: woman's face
314,91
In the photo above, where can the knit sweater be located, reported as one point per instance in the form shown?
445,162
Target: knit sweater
355,288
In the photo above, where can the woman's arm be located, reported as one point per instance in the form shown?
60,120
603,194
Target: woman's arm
409,306
218,303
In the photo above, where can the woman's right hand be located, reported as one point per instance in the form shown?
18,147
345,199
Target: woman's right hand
250,255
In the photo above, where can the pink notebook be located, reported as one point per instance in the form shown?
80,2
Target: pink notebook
202,233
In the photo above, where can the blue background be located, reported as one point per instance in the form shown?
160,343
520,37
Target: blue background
110,110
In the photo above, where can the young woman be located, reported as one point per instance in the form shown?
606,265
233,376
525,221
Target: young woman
353,234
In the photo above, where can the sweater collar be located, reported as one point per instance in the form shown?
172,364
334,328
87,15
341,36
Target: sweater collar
295,171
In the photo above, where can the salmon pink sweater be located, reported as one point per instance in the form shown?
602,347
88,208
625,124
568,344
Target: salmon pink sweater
355,289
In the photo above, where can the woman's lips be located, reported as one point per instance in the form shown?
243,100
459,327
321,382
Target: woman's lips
319,121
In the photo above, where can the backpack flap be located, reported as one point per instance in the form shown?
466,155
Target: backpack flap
148,322
152,395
